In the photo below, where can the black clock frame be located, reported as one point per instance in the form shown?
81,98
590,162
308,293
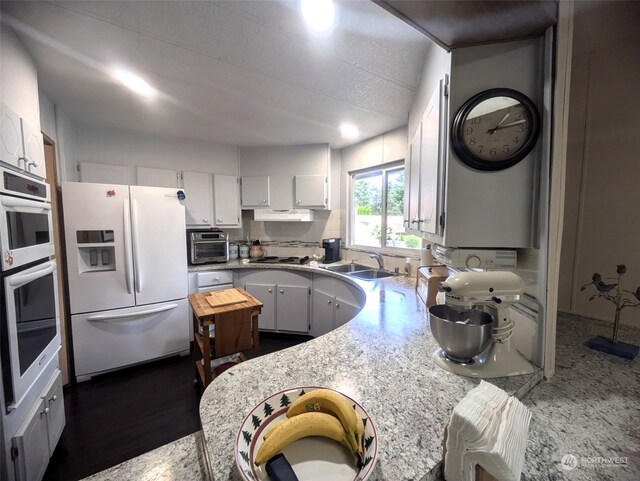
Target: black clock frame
472,160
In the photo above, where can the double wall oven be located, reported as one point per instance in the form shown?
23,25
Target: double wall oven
30,328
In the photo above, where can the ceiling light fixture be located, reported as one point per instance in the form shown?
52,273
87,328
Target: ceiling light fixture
349,131
318,14
134,82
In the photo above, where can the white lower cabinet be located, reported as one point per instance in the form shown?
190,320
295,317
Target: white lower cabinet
330,312
265,293
36,439
323,313
335,303
285,298
344,311
292,306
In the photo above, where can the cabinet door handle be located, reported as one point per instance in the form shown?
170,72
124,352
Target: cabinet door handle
281,291
264,201
337,306
219,220
46,411
329,302
205,221
270,290
53,398
299,202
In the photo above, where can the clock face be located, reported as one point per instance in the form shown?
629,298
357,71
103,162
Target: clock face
495,129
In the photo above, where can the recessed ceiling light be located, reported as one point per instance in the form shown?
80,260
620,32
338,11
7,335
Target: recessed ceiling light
134,82
349,131
318,14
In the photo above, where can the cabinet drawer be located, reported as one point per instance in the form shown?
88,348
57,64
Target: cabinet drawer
213,278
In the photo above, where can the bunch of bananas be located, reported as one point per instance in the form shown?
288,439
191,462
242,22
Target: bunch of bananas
321,412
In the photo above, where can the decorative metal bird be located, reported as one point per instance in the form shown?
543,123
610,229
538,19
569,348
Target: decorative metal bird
602,286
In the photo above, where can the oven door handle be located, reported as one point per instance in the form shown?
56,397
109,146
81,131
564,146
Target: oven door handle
131,315
18,280
24,205
128,261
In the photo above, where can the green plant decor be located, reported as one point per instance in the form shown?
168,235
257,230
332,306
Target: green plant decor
621,299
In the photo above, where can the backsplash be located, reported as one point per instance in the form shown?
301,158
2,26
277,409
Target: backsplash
304,238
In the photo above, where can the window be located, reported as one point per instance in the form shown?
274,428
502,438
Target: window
377,209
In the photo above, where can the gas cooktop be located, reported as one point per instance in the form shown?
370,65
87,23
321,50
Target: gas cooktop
280,260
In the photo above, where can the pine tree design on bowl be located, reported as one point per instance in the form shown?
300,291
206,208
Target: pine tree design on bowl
311,455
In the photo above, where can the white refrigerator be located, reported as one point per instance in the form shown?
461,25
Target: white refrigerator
127,274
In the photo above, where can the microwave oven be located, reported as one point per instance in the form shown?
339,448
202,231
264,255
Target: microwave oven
206,247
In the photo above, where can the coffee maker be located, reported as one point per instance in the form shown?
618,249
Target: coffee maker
331,250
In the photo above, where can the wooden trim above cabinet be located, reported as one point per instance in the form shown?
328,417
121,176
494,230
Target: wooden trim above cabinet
466,23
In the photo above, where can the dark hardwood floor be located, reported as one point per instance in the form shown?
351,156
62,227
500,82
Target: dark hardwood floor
117,416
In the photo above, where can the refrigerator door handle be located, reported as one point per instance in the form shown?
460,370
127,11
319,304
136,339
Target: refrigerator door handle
128,261
18,280
131,315
136,245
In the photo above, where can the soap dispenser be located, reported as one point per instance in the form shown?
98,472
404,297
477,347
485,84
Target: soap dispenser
407,267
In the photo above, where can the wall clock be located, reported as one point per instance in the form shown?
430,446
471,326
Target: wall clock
495,129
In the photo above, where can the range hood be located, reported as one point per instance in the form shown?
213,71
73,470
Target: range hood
291,215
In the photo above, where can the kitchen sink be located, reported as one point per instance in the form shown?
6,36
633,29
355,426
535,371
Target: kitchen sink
348,268
371,274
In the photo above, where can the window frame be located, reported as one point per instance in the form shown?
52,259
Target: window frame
385,170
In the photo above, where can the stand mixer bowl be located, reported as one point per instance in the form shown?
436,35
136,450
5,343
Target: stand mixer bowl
462,335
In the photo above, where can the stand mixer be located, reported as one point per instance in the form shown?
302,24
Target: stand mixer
486,342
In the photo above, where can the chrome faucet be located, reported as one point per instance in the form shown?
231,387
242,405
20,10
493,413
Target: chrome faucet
377,256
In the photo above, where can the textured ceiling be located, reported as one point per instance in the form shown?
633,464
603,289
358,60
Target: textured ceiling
238,72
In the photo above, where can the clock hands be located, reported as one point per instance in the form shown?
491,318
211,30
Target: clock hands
500,126
506,116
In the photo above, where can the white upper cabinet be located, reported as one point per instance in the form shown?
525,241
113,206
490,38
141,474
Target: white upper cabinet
199,198
285,168
429,166
424,178
255,191
226,201
33,150
412,183
311,191
10,137
21,144
152,177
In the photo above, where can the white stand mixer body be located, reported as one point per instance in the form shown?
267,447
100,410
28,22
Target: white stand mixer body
493,292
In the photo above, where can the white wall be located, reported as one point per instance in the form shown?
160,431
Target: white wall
47,117
601,225
107,146
19,86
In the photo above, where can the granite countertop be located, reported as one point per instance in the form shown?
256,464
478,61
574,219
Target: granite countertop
589,411
381,358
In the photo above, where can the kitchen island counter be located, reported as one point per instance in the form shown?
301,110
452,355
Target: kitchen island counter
587,410
381,358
